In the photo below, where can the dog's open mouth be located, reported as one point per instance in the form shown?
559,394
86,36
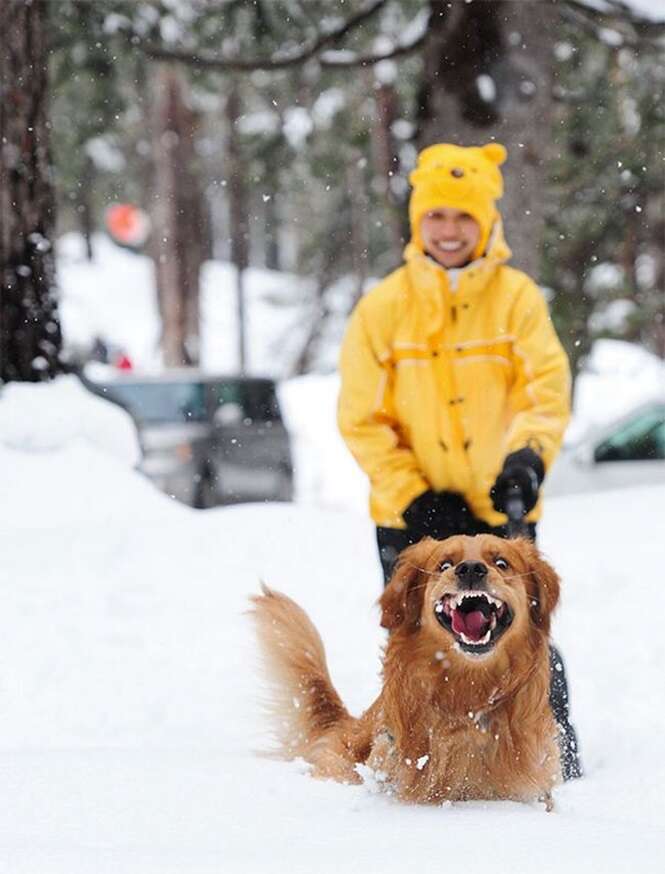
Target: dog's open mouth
475,619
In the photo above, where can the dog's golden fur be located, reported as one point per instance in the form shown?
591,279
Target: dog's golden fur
448,724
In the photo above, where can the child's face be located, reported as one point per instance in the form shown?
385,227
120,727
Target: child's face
449,235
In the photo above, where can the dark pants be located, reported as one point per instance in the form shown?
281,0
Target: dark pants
391,541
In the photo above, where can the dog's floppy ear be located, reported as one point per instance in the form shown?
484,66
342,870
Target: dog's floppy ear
544,594
402,599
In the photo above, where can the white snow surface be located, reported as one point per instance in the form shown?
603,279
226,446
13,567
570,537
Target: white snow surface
113,297
38,417
130,701
617,377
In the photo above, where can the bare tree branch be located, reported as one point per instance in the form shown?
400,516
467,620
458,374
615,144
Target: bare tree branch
645,26
214,62
344,59
595,22
623,14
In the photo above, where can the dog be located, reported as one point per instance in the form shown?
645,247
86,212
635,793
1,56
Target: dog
464,710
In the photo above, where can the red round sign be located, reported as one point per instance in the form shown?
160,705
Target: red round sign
127,224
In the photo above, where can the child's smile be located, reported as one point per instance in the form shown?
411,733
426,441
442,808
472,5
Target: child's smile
449,236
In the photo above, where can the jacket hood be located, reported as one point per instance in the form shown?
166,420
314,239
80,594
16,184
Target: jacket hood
427,277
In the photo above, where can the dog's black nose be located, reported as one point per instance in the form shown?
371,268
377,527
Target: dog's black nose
471,574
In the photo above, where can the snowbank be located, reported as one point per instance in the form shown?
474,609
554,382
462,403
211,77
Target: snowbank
67,458
112,298
616,377
36,417
326,472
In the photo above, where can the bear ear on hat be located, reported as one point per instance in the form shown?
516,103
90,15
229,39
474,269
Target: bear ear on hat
495,152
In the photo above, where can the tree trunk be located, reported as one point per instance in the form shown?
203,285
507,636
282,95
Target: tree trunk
271,227
30,337
359,240
654,332
84,207
386,159
488,75
306,360
238,216
178,218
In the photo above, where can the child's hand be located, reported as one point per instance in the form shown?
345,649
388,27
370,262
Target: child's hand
523,472
439,515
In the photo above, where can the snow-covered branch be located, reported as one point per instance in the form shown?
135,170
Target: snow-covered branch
618,13
276,62
343,59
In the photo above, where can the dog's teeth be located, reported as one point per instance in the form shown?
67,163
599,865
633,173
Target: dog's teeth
481,642
493,621
461,596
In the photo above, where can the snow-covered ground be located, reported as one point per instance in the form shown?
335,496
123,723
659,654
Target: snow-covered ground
113,297
129,701
616,377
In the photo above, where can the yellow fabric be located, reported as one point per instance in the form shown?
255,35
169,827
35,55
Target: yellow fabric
446,372
467,178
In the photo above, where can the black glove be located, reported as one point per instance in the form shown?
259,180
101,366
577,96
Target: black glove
523,472
439,515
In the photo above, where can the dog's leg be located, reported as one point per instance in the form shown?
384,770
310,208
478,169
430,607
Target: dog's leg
332,760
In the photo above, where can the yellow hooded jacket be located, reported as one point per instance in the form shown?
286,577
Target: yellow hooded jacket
445,372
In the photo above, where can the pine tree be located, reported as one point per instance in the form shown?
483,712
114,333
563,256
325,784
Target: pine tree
603,253
30,338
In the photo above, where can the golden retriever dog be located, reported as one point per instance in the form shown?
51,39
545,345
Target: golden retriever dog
463,712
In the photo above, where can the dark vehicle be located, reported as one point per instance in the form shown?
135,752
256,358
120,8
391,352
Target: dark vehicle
207,440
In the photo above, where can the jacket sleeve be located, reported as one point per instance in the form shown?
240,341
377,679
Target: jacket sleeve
540,394
367,420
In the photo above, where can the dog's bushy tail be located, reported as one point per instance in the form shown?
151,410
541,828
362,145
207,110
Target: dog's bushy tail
303,702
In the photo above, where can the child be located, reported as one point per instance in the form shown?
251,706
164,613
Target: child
455,387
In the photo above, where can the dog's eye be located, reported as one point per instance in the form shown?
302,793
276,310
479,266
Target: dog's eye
446,565
501,563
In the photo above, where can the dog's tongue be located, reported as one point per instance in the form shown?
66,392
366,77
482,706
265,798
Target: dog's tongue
474,624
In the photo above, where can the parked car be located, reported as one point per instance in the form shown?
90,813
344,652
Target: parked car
628,452
207,440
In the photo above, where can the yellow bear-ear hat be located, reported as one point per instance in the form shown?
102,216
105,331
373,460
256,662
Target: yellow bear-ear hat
466,178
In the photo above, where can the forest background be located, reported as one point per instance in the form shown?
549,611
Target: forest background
280,134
